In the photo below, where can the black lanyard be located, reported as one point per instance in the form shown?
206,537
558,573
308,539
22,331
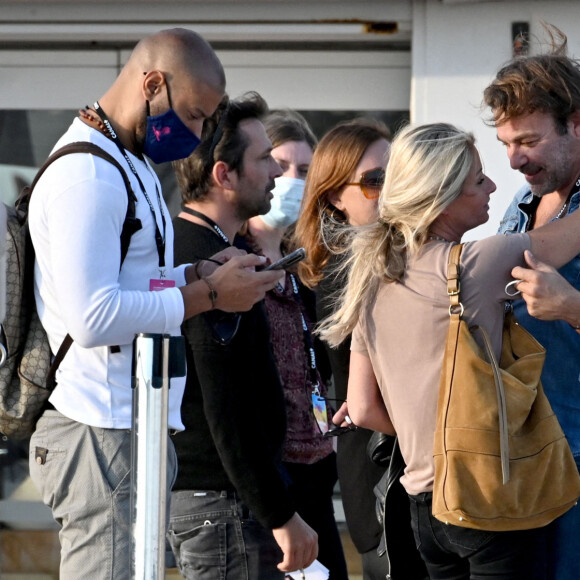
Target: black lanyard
308,344
208,221
159,237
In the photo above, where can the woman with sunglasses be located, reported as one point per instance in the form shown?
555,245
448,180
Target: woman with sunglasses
342,189
308,457
396,308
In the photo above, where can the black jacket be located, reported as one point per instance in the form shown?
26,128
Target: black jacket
233,407
392,510
356,473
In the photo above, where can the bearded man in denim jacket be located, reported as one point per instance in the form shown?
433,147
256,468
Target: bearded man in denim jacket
535,102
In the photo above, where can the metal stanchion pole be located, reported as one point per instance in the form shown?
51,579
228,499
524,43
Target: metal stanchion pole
152,369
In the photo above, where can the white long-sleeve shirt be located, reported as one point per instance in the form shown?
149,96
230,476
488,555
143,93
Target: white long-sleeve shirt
76,215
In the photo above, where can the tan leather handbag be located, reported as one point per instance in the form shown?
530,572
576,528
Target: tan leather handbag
502,461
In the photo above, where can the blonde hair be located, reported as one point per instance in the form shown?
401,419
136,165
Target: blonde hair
426,172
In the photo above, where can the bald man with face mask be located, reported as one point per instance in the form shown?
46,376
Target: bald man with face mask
80,451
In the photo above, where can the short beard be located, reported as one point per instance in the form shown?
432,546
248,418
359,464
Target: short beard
559,175
244,213
553,183
541,190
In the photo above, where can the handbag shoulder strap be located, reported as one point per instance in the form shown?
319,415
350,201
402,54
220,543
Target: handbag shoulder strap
456,311
454,281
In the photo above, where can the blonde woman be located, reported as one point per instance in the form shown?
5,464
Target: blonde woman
395,304
342,189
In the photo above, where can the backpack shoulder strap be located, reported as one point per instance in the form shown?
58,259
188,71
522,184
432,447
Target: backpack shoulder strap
131,223
50,382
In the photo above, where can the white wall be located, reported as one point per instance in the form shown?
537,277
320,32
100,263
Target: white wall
46,79
321,80
341,80
457,49
62,73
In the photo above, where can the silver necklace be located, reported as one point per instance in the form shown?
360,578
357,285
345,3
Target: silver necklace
437,238
532,217
561,212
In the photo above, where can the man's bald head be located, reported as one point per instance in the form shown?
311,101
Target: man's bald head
178,53
174,69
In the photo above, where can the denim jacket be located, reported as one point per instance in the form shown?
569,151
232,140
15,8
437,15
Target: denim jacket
561,374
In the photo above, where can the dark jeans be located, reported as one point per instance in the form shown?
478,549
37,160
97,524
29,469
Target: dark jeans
215,537
563,541
374,567
454,553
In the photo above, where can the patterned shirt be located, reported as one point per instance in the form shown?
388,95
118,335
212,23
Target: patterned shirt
304,442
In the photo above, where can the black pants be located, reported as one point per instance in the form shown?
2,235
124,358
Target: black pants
374,567
312,487
454,553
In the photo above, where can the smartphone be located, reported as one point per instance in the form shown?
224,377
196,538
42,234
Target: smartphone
289,260
336,430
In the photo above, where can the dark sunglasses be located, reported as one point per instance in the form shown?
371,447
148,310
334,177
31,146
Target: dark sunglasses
371,182
216,137
224,325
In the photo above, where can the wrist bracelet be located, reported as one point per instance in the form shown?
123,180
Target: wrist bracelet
212,294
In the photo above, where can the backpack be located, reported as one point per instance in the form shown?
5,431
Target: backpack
27,375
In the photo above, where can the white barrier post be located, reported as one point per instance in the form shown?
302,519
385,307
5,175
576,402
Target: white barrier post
152,369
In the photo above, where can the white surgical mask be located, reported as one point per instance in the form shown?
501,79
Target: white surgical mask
285,203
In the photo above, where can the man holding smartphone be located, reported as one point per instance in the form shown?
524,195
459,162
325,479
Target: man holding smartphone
97,291
231,507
